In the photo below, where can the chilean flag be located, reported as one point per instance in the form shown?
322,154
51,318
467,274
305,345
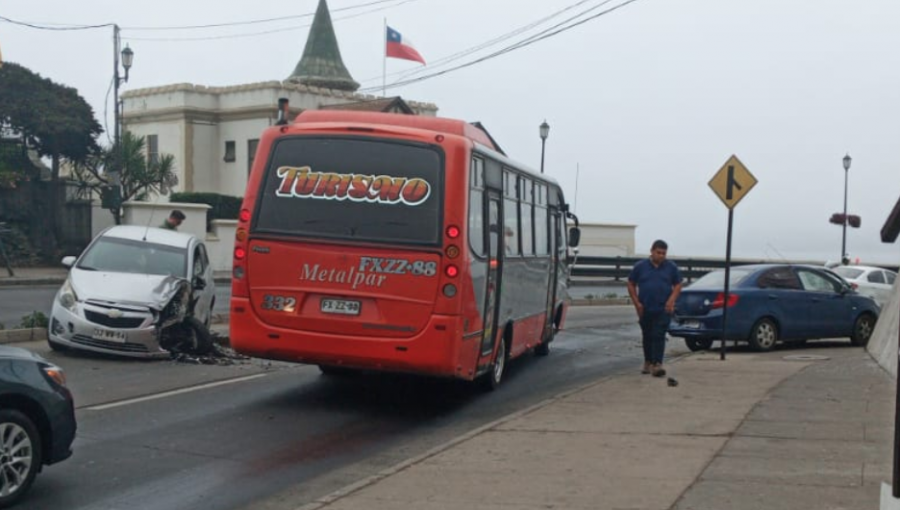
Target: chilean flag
401,47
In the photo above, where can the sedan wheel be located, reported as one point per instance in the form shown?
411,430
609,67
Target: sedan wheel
20,455
698,345
764,335
862,330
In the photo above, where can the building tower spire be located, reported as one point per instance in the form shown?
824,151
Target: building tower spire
321,64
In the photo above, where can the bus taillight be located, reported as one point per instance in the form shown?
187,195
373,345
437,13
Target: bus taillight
451,271
240,253
452,232
244,216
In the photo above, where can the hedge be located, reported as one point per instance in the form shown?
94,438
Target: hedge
224,207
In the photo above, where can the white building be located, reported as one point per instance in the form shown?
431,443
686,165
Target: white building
213,131
606,240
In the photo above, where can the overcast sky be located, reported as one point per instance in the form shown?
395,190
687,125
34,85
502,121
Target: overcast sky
649,100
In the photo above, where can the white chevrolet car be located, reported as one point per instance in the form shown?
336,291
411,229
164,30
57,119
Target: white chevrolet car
875,282
135,291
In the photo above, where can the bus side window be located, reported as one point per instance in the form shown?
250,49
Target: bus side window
476,208
541,221
526,216
511,214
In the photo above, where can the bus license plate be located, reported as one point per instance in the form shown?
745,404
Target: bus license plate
340,306
691,324
110,336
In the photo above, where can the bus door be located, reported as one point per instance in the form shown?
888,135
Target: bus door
492,296
555,263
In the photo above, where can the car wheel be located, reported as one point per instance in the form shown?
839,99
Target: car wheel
764,335
20,455
493,378
695,344
863,329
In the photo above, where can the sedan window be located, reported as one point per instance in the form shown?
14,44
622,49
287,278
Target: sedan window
890,277
137,257
779,278
876,277
815,282
848,273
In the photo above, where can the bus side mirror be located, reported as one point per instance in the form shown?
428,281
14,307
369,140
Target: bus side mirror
574,236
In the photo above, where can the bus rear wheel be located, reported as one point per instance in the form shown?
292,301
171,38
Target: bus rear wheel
494,377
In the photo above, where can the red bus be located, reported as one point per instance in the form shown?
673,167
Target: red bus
398,243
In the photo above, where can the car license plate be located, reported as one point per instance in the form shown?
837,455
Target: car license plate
340,306
110,336
691,324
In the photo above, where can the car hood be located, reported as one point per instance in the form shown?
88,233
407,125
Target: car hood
7,352
153,291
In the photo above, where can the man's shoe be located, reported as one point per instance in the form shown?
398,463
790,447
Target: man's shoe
648,368
659,371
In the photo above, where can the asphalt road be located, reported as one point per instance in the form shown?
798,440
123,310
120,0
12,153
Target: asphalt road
19,301
173,436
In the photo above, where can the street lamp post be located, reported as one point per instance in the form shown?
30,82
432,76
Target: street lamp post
847,161
127,56
545,132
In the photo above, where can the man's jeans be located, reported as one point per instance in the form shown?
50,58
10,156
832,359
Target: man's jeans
654,326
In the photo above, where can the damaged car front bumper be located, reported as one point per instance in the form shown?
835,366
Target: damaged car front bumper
140,330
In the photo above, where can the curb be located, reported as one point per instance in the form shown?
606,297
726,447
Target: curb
17,336
348,490
21,282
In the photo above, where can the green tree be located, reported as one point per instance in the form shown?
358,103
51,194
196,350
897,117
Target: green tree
51,119
139,176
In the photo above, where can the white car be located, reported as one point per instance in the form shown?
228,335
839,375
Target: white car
875,282
135,291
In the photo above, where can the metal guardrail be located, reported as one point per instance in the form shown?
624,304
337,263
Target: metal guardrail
618,268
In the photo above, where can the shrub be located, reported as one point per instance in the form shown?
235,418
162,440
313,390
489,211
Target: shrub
224,207
17,246
35,320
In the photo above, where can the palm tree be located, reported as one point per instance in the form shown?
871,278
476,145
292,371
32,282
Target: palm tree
141,174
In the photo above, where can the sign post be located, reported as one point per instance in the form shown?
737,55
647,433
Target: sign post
731,184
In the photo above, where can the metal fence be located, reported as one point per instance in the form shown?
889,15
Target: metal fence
618,268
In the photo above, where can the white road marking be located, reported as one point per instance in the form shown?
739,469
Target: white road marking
172,393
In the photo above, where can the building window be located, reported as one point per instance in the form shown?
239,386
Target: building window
153,149
230,152
251,154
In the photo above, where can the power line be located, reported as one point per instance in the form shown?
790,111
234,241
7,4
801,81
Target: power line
53,26
265,32
522,44
254,21
74,26
474,49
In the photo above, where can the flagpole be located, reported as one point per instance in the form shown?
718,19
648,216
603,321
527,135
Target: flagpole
384,65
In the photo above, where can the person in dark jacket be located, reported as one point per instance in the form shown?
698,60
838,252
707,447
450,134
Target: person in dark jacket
174,220
654,285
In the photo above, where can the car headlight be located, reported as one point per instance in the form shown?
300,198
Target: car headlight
67,296
55,373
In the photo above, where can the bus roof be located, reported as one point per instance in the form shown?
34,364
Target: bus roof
436,124
476,133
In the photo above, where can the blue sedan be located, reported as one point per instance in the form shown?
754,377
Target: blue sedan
772,303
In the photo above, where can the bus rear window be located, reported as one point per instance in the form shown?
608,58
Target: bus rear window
353,188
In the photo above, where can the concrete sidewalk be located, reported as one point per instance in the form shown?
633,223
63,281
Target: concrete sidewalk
758,431
31,276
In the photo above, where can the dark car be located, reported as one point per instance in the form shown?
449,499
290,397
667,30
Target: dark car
772,303
37,420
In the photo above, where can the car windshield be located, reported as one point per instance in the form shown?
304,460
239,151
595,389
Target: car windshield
137,257
716,279
848,273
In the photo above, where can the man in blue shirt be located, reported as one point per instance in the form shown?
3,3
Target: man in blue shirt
654,285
